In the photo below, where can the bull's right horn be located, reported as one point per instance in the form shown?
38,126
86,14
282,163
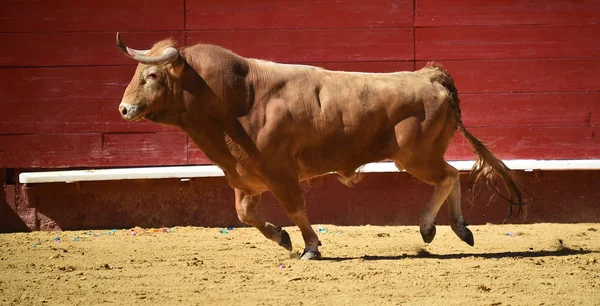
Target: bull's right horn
169,55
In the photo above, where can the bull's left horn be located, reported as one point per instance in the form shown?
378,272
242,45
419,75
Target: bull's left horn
168,56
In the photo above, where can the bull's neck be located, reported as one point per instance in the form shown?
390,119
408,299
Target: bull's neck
212,107
208,135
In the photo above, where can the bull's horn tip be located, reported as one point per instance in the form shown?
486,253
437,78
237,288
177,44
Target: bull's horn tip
131,53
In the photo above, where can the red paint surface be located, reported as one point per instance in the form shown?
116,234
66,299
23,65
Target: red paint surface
92,150
64,83
142,149
74,49
311,45
195,155
48,150
501,42
530,109
528,75
506,12
286,14
67,117
10,219
91,15
532,143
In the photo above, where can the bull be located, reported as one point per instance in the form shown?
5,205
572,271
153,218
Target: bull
270,126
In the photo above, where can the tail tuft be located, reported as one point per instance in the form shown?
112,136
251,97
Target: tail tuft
492,170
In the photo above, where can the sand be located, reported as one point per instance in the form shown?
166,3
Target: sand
540,264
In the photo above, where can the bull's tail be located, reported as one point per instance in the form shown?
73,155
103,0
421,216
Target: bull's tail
487,167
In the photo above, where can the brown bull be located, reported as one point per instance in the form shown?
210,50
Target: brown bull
270,126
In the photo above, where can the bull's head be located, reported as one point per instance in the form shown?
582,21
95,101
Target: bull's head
152,85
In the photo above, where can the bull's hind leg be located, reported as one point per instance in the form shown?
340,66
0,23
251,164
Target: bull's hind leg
246,205
457,222
443,177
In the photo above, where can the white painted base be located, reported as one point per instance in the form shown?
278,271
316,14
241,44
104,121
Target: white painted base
186,172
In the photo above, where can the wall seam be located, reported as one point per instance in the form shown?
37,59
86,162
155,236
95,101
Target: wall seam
414,35
185,23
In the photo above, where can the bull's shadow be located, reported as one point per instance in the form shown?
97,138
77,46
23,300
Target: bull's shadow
498,255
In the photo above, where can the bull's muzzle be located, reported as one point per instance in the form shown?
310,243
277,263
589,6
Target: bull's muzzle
129,111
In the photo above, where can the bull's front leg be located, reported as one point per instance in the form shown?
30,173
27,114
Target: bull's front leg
290,195
246,205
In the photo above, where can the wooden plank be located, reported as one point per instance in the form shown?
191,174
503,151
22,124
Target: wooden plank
368,66
49,150
195,155
143,149
109,82
531,143
240,14
113,123
74,49
85,149
547,75
567,142
92,150
91,15
506,12
59,83
531,109
303,46
456,43
51,117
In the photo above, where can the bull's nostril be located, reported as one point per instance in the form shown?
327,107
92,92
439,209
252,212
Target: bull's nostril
123,111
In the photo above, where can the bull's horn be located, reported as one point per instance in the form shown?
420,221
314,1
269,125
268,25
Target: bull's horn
168,56
138,52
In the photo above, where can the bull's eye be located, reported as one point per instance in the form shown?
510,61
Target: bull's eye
152,75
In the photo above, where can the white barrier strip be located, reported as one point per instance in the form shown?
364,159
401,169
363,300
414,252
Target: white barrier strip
186,172
515,164
71,176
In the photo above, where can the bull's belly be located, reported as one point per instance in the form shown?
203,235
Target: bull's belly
342,163
344,155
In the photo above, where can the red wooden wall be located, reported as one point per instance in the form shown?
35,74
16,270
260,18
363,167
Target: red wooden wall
526,70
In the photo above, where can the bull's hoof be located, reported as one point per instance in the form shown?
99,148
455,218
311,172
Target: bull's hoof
428,233
310,255
285,242
464,234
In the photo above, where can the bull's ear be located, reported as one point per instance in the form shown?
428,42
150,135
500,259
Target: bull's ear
176,67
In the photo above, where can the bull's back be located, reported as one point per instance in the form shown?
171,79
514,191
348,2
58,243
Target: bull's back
337,121
352,119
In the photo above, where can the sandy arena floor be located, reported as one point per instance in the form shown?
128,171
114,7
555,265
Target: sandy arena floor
367,265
